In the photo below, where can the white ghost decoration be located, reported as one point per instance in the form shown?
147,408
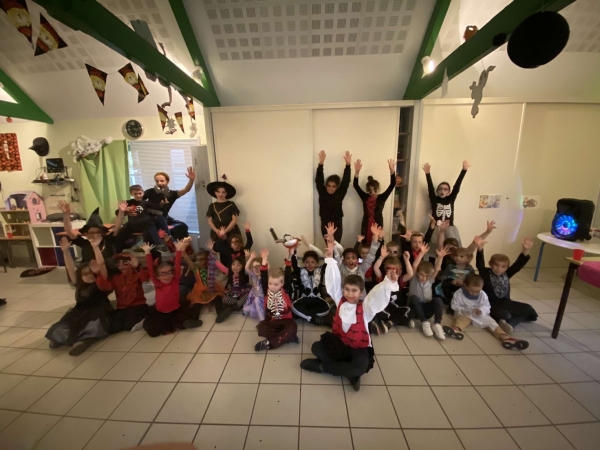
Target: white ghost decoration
83,146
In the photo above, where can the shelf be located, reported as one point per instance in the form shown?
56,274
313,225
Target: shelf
15,223
52,182
4,210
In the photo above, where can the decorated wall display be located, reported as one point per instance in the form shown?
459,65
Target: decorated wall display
48,38
477,90
18,15
530,202
98,79
489,201
10,158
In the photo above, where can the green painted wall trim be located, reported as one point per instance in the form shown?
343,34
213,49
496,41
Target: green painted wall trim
191,42
480,45
90,17
25,108
431,34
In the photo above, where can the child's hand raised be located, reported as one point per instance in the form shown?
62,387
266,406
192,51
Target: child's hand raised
384,252
146,247
491,226
348,158
357,167
95,241
123,205
527,244
246,254
134,262
381,233
392,165
426,168
360,238
94,266
443,252
163,235
406,257
181,244
375,229
424,248
322,156
329,250
466,165
65,207
479,242
65,244
247,225
331,229
407,235
264,253
252,255
210,245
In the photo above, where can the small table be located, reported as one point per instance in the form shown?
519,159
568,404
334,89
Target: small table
7,243
591,246
573,265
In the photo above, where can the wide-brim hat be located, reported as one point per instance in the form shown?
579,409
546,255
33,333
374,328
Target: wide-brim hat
94,221
212,187
40,146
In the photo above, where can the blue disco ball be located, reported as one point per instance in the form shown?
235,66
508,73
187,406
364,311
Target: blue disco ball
564,226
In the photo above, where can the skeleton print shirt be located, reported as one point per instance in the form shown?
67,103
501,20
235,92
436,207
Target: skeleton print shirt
443,208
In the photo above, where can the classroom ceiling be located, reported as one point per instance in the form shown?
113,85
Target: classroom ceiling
294,51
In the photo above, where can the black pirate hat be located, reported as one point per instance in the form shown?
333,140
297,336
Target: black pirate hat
94,221
40,146
212,187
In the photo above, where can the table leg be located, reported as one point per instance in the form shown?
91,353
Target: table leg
539,261
563,299
11,260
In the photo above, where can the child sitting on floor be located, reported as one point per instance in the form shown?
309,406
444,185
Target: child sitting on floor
471,305
232,246
168,315
310,304
205,289
255,305
454,274
128,286
496,280
348,351
279,327
89,320
397,312
421,297
348,262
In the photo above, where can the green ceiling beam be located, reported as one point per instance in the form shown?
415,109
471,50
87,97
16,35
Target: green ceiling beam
431,34
25,108
189,37
90,17
480,44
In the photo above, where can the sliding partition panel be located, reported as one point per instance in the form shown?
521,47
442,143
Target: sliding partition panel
268,157
371,135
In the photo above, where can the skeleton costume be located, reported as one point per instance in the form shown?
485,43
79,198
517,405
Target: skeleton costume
310,289
279,327
443,208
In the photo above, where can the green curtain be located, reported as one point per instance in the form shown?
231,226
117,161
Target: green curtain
105,179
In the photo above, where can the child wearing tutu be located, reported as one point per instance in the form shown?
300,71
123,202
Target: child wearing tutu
255,305
206,289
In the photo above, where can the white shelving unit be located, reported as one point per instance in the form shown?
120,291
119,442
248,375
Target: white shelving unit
46,244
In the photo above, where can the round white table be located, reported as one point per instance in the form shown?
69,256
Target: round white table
591,246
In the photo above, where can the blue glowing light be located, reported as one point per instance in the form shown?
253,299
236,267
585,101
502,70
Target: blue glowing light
564,225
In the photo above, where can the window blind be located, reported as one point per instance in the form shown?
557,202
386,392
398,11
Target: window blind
170,156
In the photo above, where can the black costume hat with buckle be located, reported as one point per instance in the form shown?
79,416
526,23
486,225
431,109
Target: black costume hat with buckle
94,221
40,146
212,187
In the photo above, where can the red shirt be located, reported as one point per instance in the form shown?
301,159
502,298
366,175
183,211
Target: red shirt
128,287
357,335
167,295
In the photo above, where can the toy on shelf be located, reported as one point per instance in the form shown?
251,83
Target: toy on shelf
29,201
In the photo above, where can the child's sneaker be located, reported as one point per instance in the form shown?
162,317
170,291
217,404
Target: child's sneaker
453,332
312,365
192,323
427,329
373,328
138,326
518,344
382,324
296,339
438,331
506,327
262,345
355,382
411,323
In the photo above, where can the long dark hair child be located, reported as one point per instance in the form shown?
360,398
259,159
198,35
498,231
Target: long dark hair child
89,320
237,289
373,202
232,245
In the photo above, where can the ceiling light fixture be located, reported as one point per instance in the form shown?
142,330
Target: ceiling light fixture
428,65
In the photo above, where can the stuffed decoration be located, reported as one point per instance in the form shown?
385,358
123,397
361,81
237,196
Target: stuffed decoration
477,90
288,240
48,38
193,130
18,15
98,79
469,32
83,146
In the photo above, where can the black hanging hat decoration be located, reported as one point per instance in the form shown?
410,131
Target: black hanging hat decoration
94,221
212,187
40,146
538,39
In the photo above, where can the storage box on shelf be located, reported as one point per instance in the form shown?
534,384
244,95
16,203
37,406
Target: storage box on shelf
46,243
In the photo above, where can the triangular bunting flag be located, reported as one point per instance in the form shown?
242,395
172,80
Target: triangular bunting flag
179,119
162,114
98,79
143,93
18,15
48,39
130,76
189,105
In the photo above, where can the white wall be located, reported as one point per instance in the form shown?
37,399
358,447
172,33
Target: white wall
516,149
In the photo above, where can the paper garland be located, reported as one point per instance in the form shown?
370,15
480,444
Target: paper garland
189,105
162,114
98,79
18,15
48,39
179,119
133,79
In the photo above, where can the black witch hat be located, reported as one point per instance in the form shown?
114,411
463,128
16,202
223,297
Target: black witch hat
212,187
40,146
94,221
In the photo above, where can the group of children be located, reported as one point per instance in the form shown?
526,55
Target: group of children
358,291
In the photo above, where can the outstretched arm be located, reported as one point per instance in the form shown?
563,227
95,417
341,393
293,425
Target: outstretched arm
461,176
65,207
491,226
65,246
320,177
479,258
249,240
385,194
379,297
343,189
191,174
430,187
409,269
120,217
357,168
522,259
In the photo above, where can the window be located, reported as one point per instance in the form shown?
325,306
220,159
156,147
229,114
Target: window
170,156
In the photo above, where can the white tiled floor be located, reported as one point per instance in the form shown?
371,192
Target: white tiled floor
209,387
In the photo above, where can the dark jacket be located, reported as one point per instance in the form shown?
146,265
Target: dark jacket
380,203
330,205
484,272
